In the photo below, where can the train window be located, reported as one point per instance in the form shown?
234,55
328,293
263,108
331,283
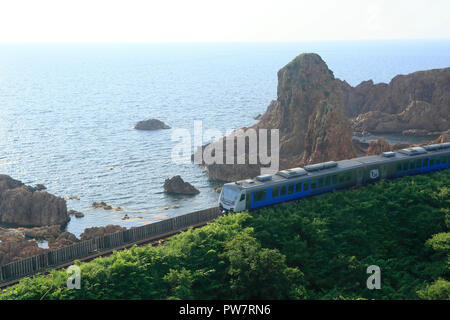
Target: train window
260,195
419,163
438,160
320,182
334,179
291,188
405,165
432,162
412,164
444,159
298,187
242,197
348,176
313,184
399,167
275,192
306,186
283,190
426,162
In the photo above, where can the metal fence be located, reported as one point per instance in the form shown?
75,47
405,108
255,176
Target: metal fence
54,258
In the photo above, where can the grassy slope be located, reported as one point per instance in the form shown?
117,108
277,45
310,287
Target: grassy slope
317,248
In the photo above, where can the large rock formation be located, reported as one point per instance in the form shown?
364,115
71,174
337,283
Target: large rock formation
22,205
178,185
310,115
413,104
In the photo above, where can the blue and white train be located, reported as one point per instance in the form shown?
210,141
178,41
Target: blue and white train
296,183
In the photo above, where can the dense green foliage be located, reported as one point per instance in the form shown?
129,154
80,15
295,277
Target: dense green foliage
316,248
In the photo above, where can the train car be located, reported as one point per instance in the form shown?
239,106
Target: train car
297,183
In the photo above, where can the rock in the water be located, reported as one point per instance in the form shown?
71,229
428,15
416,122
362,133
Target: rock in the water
151,124
77,214
92,233
101,205
40,187
21,205
177,185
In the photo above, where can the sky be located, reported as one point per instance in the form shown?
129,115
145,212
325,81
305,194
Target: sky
221,21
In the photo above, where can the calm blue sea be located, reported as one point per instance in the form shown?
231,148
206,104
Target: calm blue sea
67,111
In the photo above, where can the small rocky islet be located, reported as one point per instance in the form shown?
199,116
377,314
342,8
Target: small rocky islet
151,124
177,185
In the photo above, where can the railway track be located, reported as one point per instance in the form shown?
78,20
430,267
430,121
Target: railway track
155,240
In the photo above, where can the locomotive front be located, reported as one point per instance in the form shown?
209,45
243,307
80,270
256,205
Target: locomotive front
232,198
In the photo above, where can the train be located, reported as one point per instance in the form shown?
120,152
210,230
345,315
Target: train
296,183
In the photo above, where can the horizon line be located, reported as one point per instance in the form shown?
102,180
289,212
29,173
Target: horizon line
224,42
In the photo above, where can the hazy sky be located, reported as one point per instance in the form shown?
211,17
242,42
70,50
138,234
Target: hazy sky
226,20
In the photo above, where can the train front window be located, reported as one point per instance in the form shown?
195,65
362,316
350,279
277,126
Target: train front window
230,194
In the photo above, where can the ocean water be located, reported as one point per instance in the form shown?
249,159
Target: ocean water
67,111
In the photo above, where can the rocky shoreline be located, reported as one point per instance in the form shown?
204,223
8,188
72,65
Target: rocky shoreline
29,216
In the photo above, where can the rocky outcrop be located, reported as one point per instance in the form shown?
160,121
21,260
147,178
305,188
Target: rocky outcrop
64,239
103,205
41,233
20,243
178,185
328,135
75,213
360,147
92,233
378,147
22,205
445,137
14,246
413,104
40,187
311,118
151,124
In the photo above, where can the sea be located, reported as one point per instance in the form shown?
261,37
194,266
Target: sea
67,112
